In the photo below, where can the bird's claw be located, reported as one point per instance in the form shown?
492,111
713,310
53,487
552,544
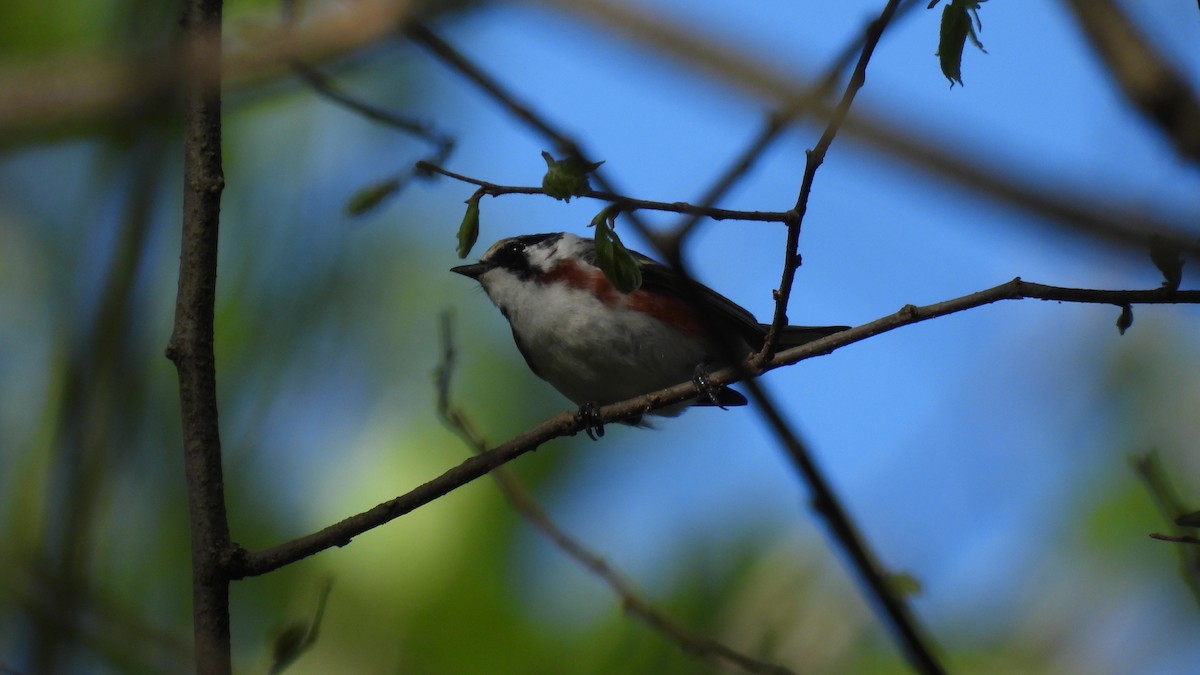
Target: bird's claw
593,424
704,387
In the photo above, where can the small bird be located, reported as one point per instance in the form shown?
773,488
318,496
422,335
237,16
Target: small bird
596,345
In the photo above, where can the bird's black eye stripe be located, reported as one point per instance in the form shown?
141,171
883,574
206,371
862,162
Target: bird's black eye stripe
511,255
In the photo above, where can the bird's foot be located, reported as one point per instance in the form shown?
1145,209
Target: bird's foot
705,388
593,425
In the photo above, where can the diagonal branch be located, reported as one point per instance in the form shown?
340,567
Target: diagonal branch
523,502
565,145
443,143
423,36
912,638
568,423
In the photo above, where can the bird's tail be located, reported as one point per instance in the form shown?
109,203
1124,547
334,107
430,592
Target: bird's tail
794,336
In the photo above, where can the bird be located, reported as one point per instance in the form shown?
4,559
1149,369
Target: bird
597,345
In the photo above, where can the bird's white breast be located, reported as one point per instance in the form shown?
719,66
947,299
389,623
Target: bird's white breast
591,350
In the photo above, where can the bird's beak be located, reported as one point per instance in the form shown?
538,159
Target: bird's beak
473,271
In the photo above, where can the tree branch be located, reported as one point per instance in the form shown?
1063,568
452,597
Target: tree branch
625,204
250,564
816,156
563,143
1092,213
524,503
901,620
1154,474
77,93
191,343
324,86
800,104
568,423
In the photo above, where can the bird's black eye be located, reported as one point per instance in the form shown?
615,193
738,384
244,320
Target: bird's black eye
512,256
510,253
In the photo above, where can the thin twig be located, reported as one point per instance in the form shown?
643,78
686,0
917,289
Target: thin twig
443,143
1149,467
816,157
568,423
564,144
626,204
523,502
1178,539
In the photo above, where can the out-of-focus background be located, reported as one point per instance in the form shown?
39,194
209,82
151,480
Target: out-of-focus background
986,454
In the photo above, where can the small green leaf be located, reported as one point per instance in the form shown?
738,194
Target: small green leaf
468,231
960,21
618,264
1169,260
371,196
903,584
1125,320
568,177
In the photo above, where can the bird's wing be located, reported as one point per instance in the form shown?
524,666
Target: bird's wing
723,312
659,278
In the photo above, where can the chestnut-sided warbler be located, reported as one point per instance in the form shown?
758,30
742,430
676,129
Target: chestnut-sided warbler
597,345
